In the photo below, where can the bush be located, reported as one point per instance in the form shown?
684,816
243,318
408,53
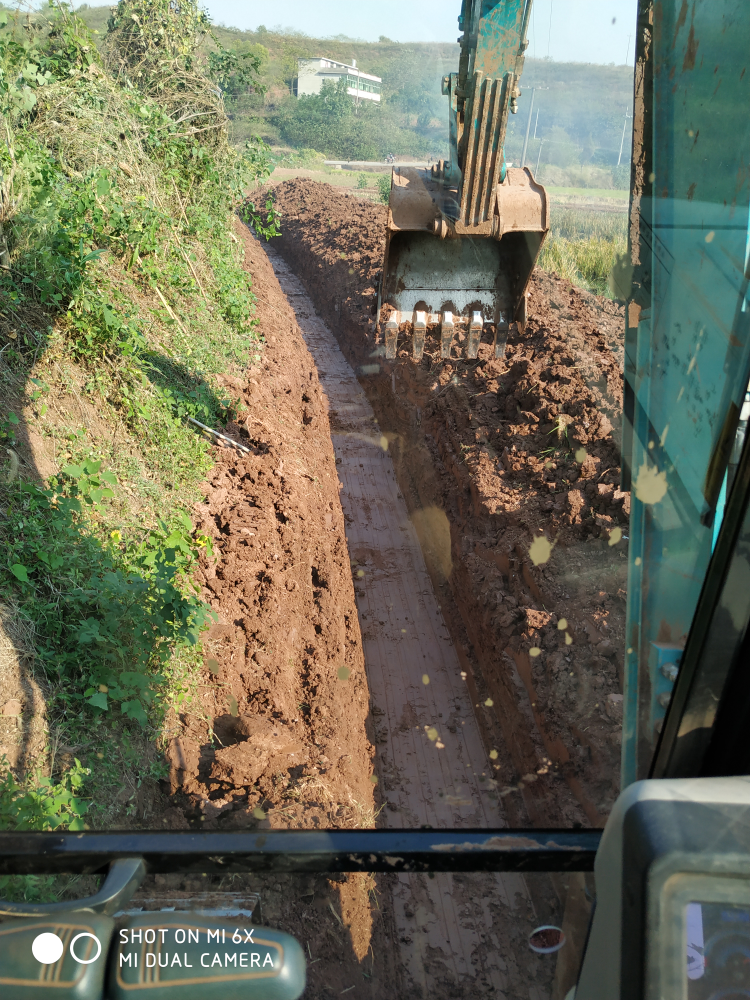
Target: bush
38,803
306,159
384,187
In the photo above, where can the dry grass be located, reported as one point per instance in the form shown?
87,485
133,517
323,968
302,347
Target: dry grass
583,247
350,815
94,127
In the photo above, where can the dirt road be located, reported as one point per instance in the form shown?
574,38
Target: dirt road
459,935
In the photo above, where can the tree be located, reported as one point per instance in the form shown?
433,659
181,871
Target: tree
414,100
559,148
588,153
236,72
329,123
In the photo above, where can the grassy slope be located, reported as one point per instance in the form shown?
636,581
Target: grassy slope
155,323
159,474
159,471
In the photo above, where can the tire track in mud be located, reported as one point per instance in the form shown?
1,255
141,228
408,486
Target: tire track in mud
459,935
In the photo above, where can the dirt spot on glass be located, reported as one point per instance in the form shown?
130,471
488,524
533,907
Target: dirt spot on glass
650,485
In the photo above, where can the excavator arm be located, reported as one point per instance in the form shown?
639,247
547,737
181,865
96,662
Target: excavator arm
462,238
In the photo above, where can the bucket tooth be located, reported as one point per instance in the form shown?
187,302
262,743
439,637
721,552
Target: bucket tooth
475,334
447,330
420,329
501,335
391,334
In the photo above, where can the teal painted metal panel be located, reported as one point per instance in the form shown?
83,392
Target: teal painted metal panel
688,338
500,28
493,43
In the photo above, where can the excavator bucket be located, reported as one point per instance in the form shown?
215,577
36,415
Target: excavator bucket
462,238
456,285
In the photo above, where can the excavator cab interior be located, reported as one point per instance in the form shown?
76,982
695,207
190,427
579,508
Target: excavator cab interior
667,914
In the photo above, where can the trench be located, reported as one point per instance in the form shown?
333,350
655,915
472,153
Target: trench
472,438
458,935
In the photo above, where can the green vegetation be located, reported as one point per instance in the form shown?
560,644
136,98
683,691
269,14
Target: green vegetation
410,120
583,247
107,615
123,304
332,122
300,159
577,134
581,110
614,194
40,804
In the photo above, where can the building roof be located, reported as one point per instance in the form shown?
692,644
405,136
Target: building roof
333,67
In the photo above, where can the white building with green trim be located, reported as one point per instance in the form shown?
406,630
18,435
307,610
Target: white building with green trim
313,73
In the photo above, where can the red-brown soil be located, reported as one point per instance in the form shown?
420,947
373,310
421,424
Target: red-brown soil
284,695
278,738
510,450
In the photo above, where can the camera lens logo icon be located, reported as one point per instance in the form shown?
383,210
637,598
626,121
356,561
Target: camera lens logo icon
47,948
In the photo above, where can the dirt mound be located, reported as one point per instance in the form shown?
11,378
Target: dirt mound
511,450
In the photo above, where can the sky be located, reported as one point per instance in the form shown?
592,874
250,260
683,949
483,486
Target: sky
598,31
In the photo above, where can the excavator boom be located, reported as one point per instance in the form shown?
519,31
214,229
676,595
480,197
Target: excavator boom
462,238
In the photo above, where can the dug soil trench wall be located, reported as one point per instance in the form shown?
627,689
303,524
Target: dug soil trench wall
489,456
287,646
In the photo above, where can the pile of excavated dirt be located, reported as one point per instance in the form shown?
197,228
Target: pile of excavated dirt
278,737
511,450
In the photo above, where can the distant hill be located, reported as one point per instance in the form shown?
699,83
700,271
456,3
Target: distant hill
578,130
